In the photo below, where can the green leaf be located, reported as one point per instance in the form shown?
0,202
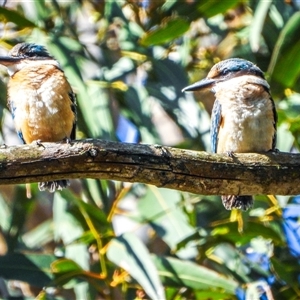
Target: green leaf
86,238
226,259
98,111
7,15
21,208
65,266
285,139
113,9
288,272
5,214
229,231
129,253
179,273
67,229
138,110
39,235
168,4
169,74
212,295
94,213
257,23
210,8
170,78
285,62
32,268
68,271
42,10
161,208
170,29
123,66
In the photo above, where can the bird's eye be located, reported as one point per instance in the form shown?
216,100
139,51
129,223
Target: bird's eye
30,54
225,72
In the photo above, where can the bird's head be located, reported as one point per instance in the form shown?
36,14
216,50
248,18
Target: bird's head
226,70
26,54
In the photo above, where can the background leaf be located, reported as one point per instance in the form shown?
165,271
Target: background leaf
285,59
175,272
31,268
127,62
161,208
130,254
169,30
8,15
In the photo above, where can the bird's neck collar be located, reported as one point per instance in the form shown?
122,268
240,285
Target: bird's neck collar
28,63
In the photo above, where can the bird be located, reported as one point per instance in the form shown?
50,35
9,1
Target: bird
40,99
244,116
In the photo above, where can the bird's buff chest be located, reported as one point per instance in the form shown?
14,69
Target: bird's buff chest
247,123
40,104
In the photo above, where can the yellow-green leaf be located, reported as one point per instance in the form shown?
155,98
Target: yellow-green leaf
169,30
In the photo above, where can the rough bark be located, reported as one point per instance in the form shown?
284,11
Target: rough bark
191,171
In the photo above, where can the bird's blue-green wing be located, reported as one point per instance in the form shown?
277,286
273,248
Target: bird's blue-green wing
12,109
274,123
73,108
215,125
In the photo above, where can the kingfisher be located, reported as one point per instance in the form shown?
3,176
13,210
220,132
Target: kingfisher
40,99
243,117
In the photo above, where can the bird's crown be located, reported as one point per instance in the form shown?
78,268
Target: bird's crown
233,67
30,51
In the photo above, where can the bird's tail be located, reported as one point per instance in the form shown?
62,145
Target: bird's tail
239,202
52,186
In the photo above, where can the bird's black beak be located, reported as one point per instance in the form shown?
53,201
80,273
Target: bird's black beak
8,60
200,85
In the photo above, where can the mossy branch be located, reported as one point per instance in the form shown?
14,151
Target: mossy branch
191,171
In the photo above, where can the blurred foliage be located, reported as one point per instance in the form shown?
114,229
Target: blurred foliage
128,62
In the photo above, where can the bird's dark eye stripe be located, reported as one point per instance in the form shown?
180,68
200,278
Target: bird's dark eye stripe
30,54
241,71
225,71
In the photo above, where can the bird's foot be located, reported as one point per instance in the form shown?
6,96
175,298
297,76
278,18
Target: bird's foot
67,140
230,153
39,143
275,150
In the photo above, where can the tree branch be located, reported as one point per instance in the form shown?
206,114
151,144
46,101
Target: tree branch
191,171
